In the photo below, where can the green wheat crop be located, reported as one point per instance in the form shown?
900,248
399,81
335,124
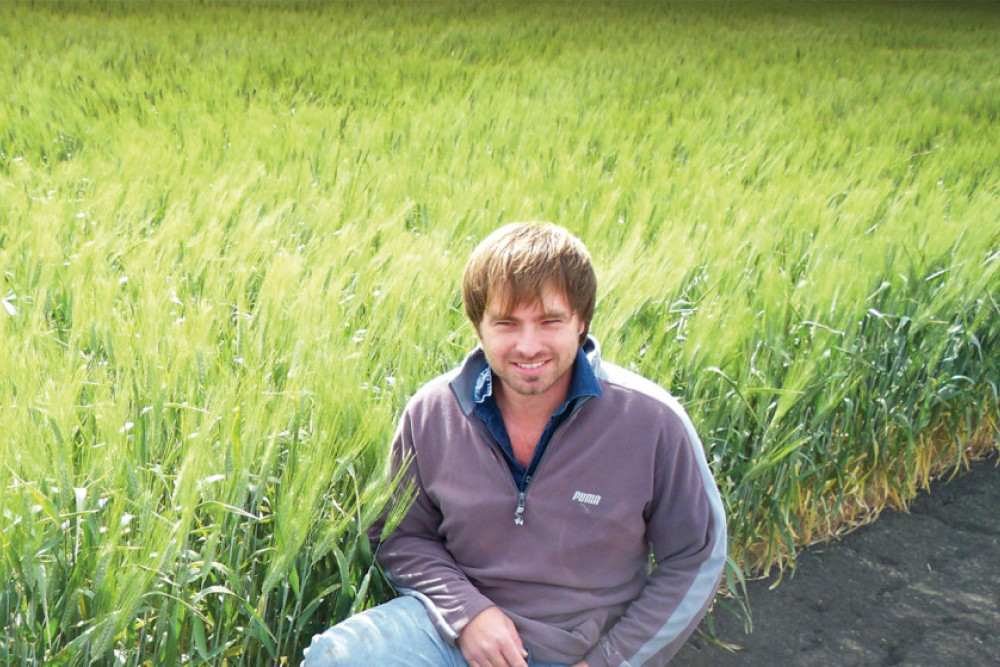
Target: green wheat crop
231,236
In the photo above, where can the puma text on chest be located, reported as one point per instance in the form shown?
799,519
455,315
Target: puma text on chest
586,498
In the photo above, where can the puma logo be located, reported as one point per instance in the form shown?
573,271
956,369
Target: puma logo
586,498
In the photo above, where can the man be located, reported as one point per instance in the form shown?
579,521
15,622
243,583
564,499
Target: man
544,480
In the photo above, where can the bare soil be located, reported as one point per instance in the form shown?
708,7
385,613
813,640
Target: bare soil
914,588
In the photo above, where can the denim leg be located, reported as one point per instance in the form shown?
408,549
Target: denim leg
398,633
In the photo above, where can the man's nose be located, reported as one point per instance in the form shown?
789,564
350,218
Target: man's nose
529,342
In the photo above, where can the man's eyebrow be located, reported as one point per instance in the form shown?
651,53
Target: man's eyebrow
545,315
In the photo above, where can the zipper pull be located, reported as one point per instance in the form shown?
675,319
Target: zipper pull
518,513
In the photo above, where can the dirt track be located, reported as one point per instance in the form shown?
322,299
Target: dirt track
916,588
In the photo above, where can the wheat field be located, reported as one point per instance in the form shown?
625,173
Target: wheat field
231,235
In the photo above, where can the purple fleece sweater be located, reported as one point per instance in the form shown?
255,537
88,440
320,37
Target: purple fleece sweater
624,477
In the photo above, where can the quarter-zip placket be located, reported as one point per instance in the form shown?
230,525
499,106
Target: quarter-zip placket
501,458
531,471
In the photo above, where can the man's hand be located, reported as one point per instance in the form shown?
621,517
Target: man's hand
491,640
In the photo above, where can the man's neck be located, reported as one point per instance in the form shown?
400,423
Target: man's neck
530,410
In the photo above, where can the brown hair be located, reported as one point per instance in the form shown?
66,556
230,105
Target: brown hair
516,262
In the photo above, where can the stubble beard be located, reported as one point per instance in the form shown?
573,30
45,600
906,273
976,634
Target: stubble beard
532,387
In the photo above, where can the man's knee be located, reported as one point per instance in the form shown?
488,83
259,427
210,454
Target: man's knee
383,635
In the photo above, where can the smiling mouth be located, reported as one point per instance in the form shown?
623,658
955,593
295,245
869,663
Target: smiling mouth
529,367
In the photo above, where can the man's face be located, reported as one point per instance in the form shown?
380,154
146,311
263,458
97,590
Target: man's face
532,348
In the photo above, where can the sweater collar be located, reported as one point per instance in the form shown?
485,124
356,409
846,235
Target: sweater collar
582,383
586,374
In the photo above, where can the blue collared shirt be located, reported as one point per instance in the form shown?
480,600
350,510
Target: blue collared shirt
583,385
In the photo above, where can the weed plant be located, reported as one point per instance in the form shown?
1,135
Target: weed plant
231,236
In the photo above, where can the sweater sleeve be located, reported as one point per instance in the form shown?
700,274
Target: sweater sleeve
414,556
687,532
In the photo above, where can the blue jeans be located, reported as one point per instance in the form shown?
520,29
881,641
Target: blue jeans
398,633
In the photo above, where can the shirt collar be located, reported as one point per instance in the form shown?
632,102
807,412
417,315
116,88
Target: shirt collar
584,382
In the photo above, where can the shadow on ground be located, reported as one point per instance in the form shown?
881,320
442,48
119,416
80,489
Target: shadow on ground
914,588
